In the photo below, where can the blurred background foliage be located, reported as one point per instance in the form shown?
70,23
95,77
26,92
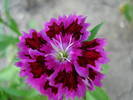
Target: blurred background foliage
127,10
12,87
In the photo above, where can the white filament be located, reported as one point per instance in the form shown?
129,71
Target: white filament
58,47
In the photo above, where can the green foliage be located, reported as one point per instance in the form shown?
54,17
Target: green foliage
94,31
12,87
5,42
98,94
127,10
9,21
89,96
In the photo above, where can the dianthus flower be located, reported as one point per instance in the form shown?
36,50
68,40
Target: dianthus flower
58,61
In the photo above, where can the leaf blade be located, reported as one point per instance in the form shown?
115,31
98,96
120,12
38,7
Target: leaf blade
100,94
11,23
94,31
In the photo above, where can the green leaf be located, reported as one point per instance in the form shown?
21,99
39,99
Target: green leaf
3,96
89,96
20,92
11,92
38,97
99,94
105,68
127,10
13,86
11,23
6,40
8,73
15,92
94,31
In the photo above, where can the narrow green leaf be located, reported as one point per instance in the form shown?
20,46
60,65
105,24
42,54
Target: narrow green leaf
99,94
94,31
127,10
11,23
6,40
89,96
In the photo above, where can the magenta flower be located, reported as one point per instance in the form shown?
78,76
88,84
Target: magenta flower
58,62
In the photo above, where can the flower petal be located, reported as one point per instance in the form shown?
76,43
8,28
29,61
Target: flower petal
68,24
91,54
94,78
89,57
69,82
93,44
34,40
